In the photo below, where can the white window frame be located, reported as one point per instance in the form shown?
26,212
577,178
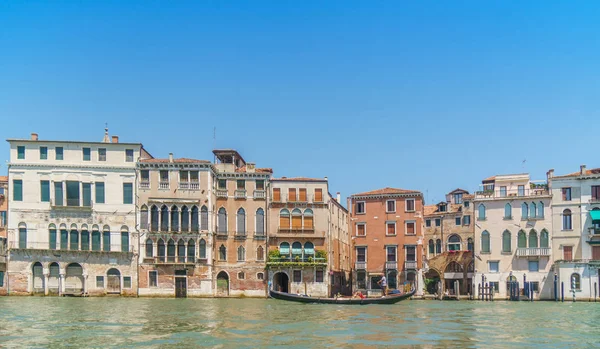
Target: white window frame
406,253
386,206
130,282
363,224
315,276
406,227
152,271
263,276
406,205
493,261
386,228
364,203
103,281
395,247
356,252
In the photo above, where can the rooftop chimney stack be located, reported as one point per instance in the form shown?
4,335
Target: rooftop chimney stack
582,168
550,174
326,178
170,157
339,197
34,136
115,139
250,167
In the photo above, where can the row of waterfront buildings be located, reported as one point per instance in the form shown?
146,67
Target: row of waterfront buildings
98,218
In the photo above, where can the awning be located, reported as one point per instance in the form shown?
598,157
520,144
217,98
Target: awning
284,250
296,250
595,215
309,250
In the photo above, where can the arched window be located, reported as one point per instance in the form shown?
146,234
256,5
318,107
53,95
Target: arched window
154,218
204,218
506,247
485,242
544,240
23,235
96,239
222,221
507,211
284,219
149,248
308,219
241,254
222,253
241,275
161,250
164,218
532,210
540,210
180,251
481,210
309,249
64,237
296,249
174,218
296,219
241,222
144,217
191,251
575,281
284,249
521,239
171,250
454,243
431,247
438,246
470,244
194,219
524,211
185,219
52,236
260,253
202,249
533,239
85,238
260,222
567,223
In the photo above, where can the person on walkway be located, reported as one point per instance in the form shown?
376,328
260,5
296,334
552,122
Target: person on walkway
383,283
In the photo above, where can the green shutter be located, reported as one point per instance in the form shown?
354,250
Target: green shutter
58,194
72,193
87,194
43,153
52,239
124,241
20,152
86,154
64,239
85,240
45,191
22,237
99,192
17,190
106,240
95,240
59,153
127,193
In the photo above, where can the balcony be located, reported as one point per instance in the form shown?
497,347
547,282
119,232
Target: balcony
536,190
288,230
90,248
533,252
222,235
594,200
410,265
73,205
391,265
240,236
260,236
360,266
259,194
297,260
221,193
240,194
145,184
172,260
189,185
163,185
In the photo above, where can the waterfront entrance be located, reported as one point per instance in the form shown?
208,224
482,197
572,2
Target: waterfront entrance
113,281
54,279
38,278
281,282
74,279
180,283
222,284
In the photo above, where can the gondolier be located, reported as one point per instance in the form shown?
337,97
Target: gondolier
383,283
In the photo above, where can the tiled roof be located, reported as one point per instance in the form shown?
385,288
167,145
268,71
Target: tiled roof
179,160
258,170
468,196
458,189
3,178
433,209
490,178
388,191
300,179
578,173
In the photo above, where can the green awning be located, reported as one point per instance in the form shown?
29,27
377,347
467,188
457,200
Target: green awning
595,215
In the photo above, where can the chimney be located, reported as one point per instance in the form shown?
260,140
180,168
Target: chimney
550,174
326,178
170,157
250,167
115,139
339,197
34,136
283,177
582,169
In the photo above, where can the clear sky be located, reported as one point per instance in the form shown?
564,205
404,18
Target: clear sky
427,95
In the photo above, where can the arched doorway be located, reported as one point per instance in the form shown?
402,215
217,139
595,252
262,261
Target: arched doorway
113,281
432,281
38,278
222,284
54,279
74,279
281,282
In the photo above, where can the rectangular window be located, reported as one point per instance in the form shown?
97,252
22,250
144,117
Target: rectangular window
411,253
361,254
493,266
128,155
466,204
466,220
153,278
502,192
99,281
457,220
260,184
521,190
241,184
87,154
59,153
221,183
43,153
302,194
2,218
319,275
495,285
360,207
292,194
319,195
101,154
194,177
391,254
534,266
566,194
126,281
276,194
164,176
595,192
127,193
297,276
58,194
458,198
86,189
428,223
410,205
1,279
361,229
390,206
21,152
442,208
17,190
410,228
45,191
99,192
568,253
535,286
145,176
438,222
72,193
391,228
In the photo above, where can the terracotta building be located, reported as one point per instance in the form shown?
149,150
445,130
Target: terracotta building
3,235
388,238
175,217
240,245
449,236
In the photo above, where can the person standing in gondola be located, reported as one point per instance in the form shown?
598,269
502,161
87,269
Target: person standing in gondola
383,283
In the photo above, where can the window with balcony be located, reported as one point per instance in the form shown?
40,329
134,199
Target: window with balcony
45,191
391,228
296,219
493,266
128,155
361,254
454,243
106,239
360,207
240,184
521,190
391,254
506,242
161,250
361,229
171,250
533,239
284,219
164,218
86,194
410,227
411,253
260,184
17,190
101,154
164,179
390,206
566,194
544,239
410,205
21,152
302,195
292,194
96,239
567,223
502,192
485,242
222,184
174,218
481,212
507,211
72,193
521,239
318,195
149,248
43,153
194,223
87,154
568,253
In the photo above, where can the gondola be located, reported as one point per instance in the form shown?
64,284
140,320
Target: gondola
390,299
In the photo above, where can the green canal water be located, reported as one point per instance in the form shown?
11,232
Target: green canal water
49,322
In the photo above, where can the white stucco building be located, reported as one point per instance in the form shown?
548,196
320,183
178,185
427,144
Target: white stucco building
72,216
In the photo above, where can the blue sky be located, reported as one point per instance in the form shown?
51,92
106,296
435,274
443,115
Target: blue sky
425,95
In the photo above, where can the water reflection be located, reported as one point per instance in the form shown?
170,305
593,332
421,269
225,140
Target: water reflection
250,323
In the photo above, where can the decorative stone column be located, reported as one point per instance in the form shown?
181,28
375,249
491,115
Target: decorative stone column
46,273
85,278
61,286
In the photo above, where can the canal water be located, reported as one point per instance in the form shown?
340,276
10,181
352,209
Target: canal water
51,322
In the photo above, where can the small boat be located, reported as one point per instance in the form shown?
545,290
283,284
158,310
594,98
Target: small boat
390,299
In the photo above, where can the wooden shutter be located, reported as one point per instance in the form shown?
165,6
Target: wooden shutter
276,194
596,253
318,195
360,230
284,221
410,228
568,253
302,194
391,229
308,222
296,222
292,194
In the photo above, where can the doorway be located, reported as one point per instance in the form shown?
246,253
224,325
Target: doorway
222,284
180,283
281,282
38,278
113,281
74,279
